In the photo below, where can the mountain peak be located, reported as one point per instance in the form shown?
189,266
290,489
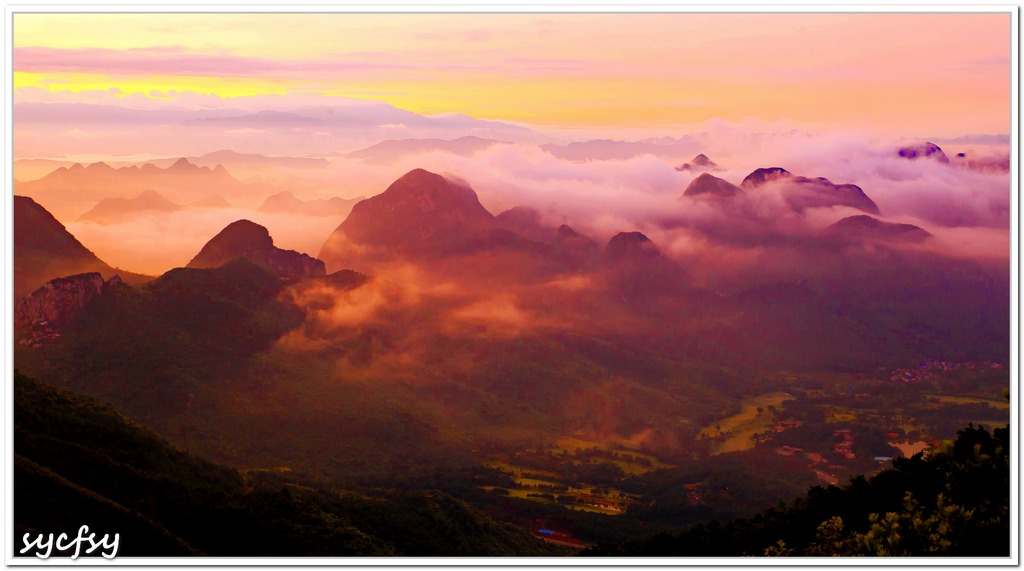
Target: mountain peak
418,178
150,194
214,201
630,245
417,206
866,227
764,175
636,268
236,239
709,185
699,162
566,231
926,149
36,228
244,238
801,192
182,165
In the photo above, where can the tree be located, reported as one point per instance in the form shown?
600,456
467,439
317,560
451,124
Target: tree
831,539
778,550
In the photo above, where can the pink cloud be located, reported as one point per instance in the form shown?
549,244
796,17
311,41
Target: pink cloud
170,61
175,61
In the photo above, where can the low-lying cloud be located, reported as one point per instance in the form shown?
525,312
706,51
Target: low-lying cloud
966,209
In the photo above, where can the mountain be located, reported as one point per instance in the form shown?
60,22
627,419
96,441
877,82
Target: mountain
864,227
163,501
113,210
393,149
801,192
259,119
61,300
249,240
168,336
584,251
233,159
998,163
439,223
416,214
710,186
286,203
215,201
79,187
764,175
418,206
636,268
31,169
631,247
610,150
364,121
567,250
526,221
923,150
44,249
699,163
311,130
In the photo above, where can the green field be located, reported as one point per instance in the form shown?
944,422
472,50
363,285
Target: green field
525,482
520,472
530,482
949,399
746,423
622,447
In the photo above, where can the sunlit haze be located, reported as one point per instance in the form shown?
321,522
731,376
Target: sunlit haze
920,75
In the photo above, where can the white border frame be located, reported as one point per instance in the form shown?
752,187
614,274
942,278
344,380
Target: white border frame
578,6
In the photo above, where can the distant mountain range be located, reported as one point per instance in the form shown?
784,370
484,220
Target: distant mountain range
606,149
390,150
247,161
316,129
287,203
80,187
111,210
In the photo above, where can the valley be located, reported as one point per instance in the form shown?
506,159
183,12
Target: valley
553,393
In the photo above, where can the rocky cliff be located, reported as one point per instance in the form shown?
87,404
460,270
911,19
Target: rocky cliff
58,303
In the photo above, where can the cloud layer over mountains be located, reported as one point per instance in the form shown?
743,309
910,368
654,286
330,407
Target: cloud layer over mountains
966,208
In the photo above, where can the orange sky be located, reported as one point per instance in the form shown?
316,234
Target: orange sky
892,74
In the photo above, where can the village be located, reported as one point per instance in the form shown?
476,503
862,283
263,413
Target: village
930,369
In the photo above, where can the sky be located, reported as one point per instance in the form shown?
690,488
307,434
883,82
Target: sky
915,75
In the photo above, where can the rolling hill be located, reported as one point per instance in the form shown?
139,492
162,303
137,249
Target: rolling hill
77,461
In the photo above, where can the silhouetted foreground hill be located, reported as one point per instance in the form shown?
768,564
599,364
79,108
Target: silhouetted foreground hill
44,250
955,502
80,462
